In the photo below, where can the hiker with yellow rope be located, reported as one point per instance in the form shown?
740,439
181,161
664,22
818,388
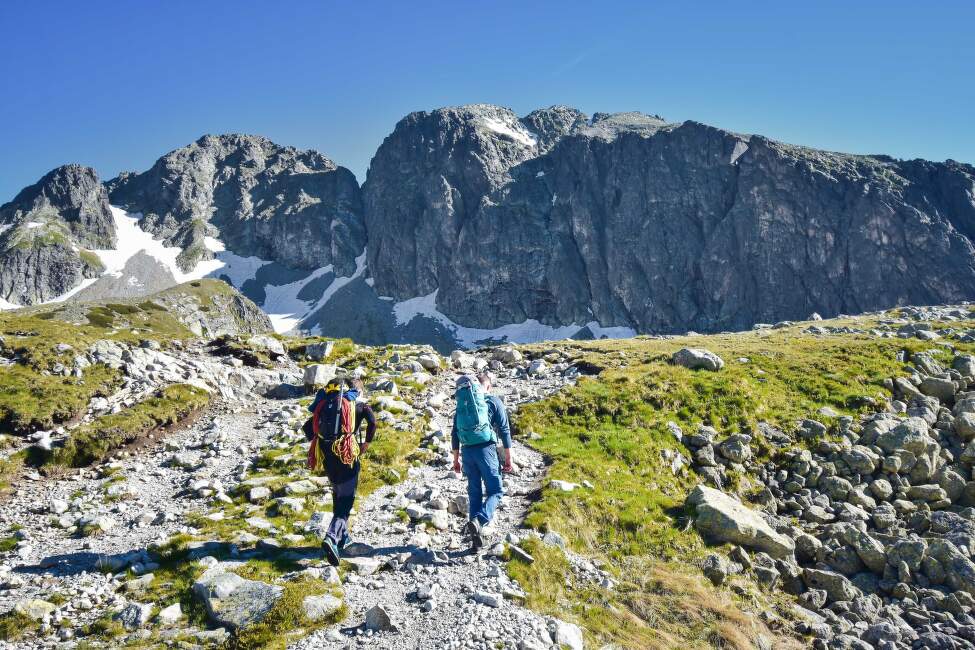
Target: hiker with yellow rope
334,433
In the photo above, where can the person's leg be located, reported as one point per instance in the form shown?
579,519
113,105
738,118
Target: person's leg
472,470
493,486
343,498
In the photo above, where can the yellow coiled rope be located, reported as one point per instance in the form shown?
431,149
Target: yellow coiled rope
346,449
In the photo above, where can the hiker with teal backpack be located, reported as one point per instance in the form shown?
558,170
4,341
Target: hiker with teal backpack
479,421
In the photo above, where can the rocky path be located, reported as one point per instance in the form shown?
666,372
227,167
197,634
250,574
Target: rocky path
415,583
444,595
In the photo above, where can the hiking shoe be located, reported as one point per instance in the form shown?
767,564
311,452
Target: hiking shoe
473,530
331,551
346,540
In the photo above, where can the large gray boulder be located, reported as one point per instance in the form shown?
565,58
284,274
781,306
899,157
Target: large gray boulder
233,601
959,569
697,358
45,230
725,519
277,203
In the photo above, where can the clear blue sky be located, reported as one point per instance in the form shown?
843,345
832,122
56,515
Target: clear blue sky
115,85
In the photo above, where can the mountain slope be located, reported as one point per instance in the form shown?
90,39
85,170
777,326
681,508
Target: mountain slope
44,232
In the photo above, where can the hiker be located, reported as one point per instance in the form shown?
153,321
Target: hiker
334,431
480,420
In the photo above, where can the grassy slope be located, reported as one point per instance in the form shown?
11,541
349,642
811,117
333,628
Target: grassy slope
611,431
95,441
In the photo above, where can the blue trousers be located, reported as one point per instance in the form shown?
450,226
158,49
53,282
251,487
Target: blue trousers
481,466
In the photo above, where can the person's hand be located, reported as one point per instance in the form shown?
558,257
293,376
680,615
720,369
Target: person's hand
508,468
457,465
363,447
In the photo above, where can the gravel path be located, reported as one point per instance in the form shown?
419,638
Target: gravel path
465,599
447,574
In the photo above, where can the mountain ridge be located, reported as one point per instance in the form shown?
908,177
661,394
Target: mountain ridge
622,221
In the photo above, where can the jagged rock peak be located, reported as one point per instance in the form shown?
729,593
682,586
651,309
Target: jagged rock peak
262,199
70,197
550,124
44,230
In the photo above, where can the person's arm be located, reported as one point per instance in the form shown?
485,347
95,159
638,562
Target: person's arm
455,445
365,413
318,398
499,421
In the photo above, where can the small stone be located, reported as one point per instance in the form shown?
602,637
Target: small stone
317,608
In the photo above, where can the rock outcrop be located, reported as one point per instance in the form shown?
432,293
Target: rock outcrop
427,181
44,231
261,199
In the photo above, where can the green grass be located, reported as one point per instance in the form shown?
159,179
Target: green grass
31,396
611,431
92,261
14,626
8,544
97,440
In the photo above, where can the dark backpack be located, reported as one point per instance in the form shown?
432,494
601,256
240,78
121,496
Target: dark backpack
334,415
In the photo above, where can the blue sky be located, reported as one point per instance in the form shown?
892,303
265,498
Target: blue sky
115,85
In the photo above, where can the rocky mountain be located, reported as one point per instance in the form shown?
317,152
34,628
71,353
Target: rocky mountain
264,200
476,225
630,221
45,231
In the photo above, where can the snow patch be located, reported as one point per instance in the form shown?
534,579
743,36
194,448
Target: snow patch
518,133
530,331
214,244
740,148
34,224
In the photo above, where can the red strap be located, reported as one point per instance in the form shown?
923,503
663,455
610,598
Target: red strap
314,419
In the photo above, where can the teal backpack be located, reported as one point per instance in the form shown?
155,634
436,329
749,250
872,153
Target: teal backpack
473,424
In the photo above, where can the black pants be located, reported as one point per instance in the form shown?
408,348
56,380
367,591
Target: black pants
345,481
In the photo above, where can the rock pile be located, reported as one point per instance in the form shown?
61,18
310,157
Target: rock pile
871,526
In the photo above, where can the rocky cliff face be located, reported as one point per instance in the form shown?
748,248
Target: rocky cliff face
277,203
631,221
44,231
427,182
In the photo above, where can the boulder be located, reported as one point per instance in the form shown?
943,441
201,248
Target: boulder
725,519
273,346
233,601
695,358
378,619
837,587
134,615
959,570
319,351
910,435
35,608
320,607
319,374
964,364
